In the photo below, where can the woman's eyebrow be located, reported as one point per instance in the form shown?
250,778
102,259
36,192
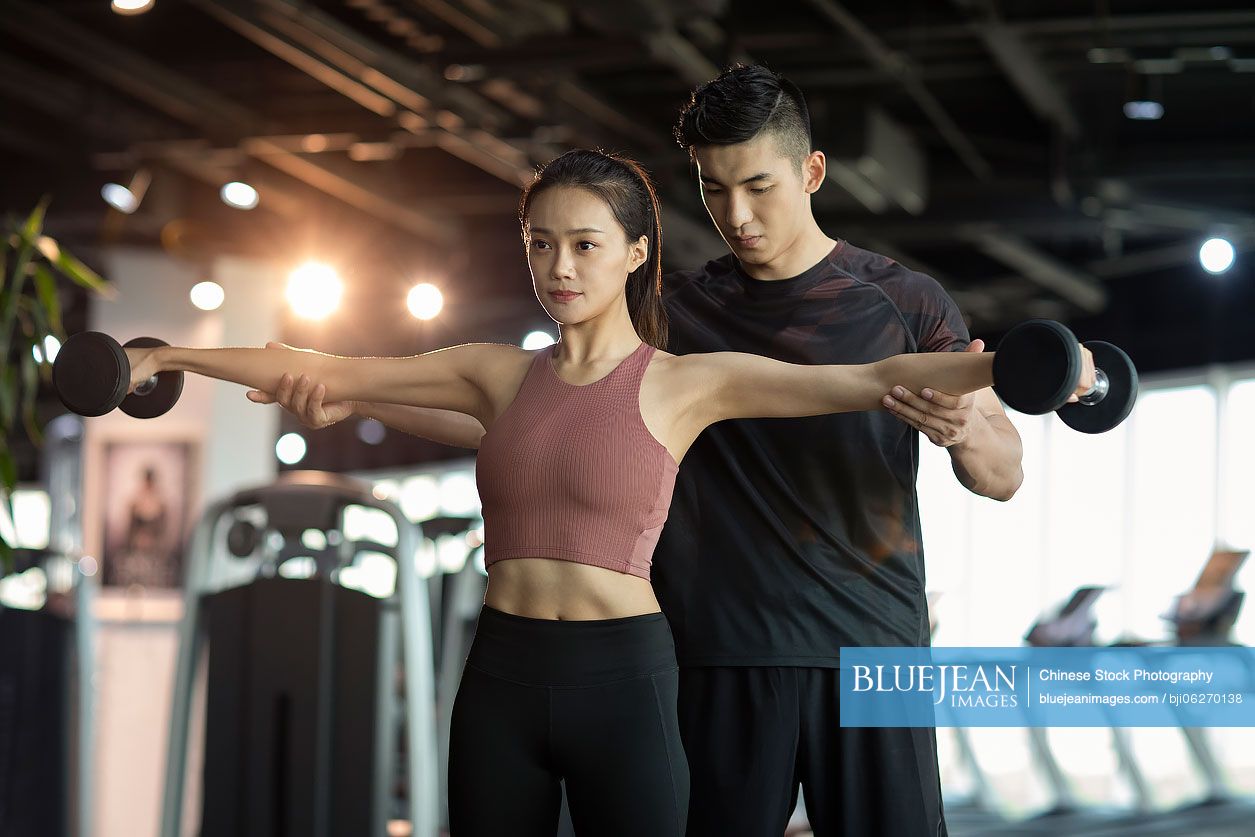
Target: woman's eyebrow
577,231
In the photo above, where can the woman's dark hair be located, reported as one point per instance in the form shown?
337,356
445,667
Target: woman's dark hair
743,102
626,188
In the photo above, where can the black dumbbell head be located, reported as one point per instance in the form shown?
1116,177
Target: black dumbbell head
91,373
1121,392
1037,366
162,397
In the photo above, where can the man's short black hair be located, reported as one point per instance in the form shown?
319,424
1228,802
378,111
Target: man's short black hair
742,103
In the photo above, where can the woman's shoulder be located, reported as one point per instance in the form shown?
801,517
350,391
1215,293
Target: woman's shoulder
494,352
484,363
689,369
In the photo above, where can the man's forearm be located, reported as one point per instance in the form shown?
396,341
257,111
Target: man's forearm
445,426
988,462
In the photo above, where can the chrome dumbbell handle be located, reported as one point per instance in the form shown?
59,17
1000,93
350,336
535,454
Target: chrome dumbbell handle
1096,393
146,387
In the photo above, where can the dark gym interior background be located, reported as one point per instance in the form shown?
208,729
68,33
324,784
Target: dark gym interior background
344,175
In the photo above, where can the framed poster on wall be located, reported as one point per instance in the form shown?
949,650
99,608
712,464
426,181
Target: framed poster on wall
148,505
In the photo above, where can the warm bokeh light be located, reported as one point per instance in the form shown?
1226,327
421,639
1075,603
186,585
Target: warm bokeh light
538,340
131,7
425,301
290,448
239,195
314,290
208,296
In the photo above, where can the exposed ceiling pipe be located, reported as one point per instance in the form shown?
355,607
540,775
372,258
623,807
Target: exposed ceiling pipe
896,65
1074,285
182,99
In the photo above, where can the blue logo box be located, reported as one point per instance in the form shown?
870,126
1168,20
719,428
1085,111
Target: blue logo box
1048,687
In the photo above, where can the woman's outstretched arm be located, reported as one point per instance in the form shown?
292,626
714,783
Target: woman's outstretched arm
306,399
447,378
751,386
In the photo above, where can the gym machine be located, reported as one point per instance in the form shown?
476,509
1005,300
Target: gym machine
47,666
303,673
1073,626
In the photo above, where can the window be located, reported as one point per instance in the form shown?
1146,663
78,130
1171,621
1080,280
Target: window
1172,495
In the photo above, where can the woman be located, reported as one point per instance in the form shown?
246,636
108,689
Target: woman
572,673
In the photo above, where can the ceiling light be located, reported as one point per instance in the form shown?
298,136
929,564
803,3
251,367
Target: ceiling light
207,296
239,195
131,7
290,449
314,290
1216,255
425,301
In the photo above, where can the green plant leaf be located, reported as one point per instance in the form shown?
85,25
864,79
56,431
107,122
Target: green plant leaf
8,473
82,275
46,288
30,389
35,221
34,321
17,281
8,301
8,398
6,558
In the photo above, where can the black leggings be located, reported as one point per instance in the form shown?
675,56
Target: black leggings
589,702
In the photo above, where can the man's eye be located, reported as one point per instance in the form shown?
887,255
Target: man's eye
764,190
539,245
591,244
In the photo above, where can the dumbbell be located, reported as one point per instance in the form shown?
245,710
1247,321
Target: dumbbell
1038,366
92,373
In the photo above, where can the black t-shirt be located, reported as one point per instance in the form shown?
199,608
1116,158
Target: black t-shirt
791,537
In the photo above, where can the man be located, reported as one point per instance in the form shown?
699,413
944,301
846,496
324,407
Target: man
790,538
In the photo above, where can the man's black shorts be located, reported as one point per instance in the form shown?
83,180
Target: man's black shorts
753,734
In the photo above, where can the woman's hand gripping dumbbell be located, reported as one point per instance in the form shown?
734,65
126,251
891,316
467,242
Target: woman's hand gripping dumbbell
93,374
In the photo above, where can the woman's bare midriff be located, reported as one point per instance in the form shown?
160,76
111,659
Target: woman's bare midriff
546,588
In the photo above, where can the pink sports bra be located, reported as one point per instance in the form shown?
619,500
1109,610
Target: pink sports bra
571,472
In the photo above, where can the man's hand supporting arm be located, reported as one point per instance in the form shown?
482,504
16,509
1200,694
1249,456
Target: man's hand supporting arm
305,400
988,461
444,379
985,449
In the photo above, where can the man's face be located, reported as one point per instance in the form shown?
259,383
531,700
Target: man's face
756,196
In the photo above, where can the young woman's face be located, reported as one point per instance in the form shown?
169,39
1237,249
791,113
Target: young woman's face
578,254
756,196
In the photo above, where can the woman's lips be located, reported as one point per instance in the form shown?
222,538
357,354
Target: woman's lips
563,296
